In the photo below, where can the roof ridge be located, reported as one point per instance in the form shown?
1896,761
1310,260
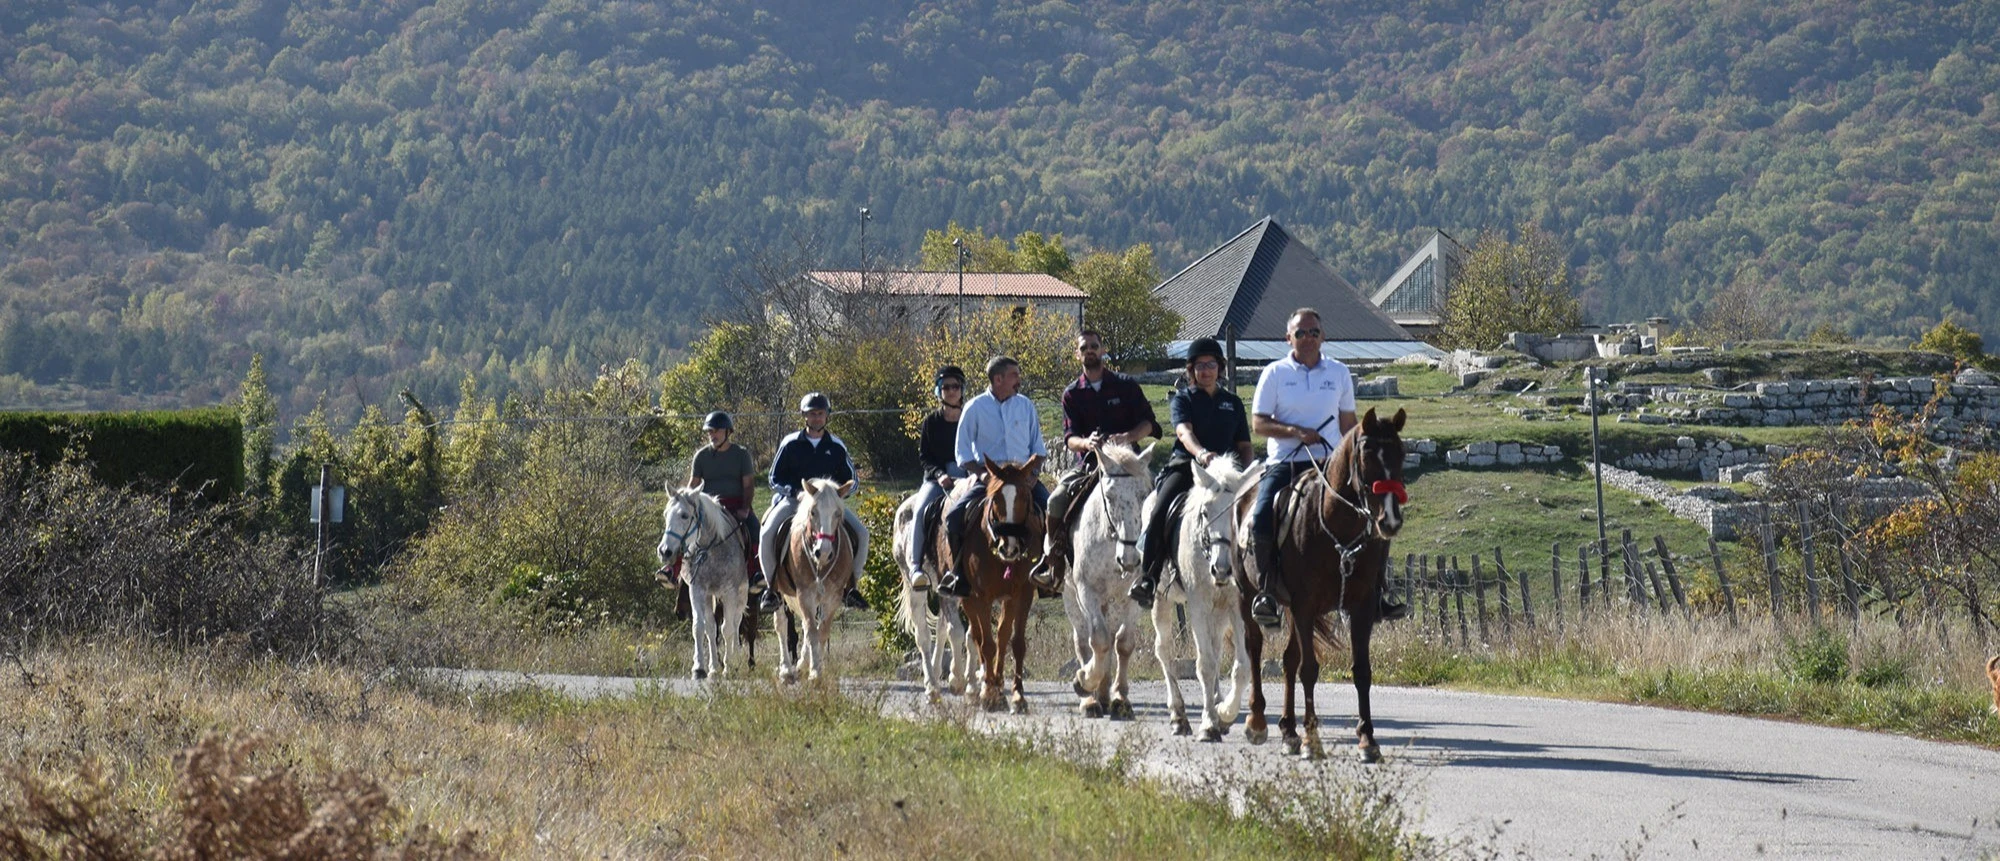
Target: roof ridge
1212,252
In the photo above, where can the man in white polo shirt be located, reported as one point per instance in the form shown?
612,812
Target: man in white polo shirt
1304,403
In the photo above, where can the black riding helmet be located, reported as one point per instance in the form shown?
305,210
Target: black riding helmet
948,372
1204,347
815,401
718,420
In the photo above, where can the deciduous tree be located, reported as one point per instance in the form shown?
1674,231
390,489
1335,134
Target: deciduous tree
1520,285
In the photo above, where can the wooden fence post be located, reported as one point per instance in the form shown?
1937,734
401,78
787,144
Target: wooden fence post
1409,579
1812,575
1635,583
1722,579
1479,592
1659,594
1582,585
1852,588
1458,598
1556,584
1506,607
1673,579
1770,542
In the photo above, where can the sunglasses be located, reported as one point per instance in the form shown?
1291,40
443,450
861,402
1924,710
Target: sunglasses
1305,333
1206,366
951,387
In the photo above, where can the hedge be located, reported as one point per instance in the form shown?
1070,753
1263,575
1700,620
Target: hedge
190,448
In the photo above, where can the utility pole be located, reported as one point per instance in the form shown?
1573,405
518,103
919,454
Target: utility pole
964,254
865,216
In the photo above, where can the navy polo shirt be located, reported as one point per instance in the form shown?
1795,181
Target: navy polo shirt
1219,420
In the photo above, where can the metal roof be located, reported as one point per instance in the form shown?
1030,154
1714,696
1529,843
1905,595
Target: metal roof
1346,351
1254,281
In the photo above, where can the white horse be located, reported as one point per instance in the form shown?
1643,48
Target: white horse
708,542
1103,620
1202,579
815,566
932,631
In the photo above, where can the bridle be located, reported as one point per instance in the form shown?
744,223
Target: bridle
1361,504
695,555
1103,494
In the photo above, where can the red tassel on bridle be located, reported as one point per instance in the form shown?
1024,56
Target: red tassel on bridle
1391,488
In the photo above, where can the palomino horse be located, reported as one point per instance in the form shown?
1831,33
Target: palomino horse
815,566
1000,541
708,543
931,629
1104,622
1203,578
1331,546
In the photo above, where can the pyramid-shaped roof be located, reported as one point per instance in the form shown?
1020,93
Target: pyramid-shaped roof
1254,281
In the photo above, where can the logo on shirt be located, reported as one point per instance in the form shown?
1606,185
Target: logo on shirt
1227,406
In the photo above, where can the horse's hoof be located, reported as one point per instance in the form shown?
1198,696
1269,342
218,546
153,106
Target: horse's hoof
1019,707
1371,753
1076,684
1292,744
1211,734
700,674
1121,710
1091,709
1181,727
1313,750
1256,734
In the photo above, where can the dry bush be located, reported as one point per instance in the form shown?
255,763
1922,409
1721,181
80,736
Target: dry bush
227,809
79,557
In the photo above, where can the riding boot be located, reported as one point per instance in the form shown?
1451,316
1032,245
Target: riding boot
1049,572
953,583
853,599
1389,609
1265,607
1150,565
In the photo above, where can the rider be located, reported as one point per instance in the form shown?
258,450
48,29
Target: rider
1101,406
1297,398
727,470
1000,425
1209,422
807,454
937,443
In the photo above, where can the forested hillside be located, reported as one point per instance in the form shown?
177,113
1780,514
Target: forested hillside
379,193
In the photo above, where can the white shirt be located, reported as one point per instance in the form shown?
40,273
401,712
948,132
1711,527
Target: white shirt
1312,397
1009,430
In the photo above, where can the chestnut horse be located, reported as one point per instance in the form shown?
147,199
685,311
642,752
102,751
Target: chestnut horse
1331,548
1003,535
815,566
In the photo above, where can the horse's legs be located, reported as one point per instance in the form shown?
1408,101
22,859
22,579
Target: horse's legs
1239,676
1288,726
732,619
920,631
951,614
1208,645
1017,614
1163,614
1309,676
788,644
1080,642
1255,729
1361,630
980,617
1124,642
701,623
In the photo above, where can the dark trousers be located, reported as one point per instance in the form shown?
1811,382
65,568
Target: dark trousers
1173,484
1263,524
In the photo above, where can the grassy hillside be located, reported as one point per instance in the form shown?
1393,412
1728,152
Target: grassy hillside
387,194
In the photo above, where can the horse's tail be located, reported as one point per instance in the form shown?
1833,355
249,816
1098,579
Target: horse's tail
1326,632
906,615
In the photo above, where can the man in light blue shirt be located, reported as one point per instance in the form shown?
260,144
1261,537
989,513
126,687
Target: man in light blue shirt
1000,425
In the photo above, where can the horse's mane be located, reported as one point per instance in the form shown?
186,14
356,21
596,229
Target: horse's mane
715,520
1126,459
802,517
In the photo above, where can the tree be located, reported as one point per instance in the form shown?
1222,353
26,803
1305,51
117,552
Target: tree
1509,286
1041,341
1032,252
1740,312
259,413
1121,306
1957,342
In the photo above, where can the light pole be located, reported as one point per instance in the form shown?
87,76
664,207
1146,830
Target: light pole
964,254
865,216
1590,379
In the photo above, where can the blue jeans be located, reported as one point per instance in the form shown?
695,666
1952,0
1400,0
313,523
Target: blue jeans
928,498
1276,476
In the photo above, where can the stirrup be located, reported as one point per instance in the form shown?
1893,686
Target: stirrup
953,585
1265,611
854,600
770,602
1141,593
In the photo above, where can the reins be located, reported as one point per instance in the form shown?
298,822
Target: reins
697,554
1103,494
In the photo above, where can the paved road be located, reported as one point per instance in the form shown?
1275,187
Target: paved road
1554,778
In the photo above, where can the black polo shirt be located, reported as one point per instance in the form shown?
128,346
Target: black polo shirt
1219,420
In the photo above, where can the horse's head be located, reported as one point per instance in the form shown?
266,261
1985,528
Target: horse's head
1124,481
820,517
1011,523
683,520
1214,501
1376,474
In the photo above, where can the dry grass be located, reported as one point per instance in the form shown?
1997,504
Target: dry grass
536,775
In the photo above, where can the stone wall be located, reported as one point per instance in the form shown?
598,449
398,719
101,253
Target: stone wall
1970,401
1705,458
1720,513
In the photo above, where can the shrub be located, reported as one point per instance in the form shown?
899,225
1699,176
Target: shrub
77,556
195,450
1819,656
882,578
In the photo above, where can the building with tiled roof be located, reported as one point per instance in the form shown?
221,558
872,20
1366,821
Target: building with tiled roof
1248,287
935,297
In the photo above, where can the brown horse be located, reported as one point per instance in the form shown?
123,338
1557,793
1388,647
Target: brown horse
1003,536
1331,548
815,567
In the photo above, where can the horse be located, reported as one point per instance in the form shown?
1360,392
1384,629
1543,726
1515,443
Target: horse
1104,622
1202,578
815,566
701,534
1000,544
946,623
1348,508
